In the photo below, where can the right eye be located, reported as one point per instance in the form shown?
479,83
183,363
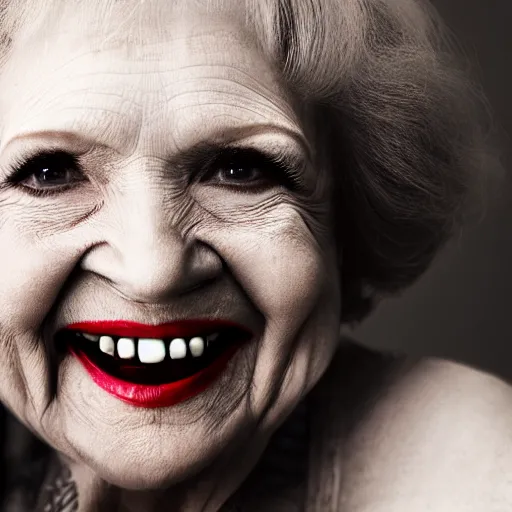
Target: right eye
48,172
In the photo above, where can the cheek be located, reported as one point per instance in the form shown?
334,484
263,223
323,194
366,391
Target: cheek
275,258
270,247
39,251
43,250
292,280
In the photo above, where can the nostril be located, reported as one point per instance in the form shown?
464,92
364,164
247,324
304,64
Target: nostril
149,271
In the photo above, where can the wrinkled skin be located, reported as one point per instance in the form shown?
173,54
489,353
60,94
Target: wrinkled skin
137,240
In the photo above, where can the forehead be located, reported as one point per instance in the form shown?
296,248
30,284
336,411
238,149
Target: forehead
146,77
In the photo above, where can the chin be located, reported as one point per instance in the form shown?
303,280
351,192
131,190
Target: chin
145,471
152,448
155,461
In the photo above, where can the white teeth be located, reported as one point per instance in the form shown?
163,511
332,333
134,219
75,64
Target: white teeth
126,348
107,345
151,350
196,346
90,337
178,348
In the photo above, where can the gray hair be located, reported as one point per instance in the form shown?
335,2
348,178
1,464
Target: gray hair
404,127
399,120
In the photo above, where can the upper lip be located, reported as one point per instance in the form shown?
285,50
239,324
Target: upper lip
178,329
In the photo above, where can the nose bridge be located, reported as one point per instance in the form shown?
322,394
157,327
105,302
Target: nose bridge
147,219
144,252
151,250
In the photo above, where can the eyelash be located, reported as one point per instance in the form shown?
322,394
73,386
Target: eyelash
24,168
273,170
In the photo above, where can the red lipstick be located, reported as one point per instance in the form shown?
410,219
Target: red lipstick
159,395
181,329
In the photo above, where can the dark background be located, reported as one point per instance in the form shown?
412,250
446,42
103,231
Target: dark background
462,308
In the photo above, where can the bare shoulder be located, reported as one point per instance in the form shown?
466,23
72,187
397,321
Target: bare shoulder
420,434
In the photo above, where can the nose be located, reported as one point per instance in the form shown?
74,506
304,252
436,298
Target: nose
144,256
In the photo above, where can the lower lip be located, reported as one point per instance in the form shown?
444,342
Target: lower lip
163,395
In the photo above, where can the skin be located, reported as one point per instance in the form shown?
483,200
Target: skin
410,434
135,241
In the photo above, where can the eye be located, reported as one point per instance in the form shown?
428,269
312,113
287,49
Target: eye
237,172
47,172
249,168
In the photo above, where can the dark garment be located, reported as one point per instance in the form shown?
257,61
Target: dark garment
24,465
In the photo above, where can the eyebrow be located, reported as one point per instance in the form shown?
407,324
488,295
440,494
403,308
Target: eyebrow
223,138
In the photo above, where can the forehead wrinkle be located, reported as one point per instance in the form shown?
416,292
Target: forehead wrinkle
97,114
127,120
225,89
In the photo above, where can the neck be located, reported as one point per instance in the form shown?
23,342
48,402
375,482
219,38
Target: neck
281,471
70,486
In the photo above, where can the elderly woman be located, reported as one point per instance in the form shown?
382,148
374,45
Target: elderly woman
194,197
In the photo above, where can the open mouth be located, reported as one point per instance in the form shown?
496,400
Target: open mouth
153,366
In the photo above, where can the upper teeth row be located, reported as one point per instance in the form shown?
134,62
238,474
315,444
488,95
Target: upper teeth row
150,350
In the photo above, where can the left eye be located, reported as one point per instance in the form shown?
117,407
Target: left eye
246,168
237,172
48,171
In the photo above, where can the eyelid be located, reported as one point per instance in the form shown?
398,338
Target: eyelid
47,192
192,164
17,166
18,172
289,169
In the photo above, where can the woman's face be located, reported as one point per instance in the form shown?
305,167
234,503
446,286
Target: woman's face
144,197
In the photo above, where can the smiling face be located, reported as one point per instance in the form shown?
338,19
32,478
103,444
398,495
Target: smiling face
158,183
